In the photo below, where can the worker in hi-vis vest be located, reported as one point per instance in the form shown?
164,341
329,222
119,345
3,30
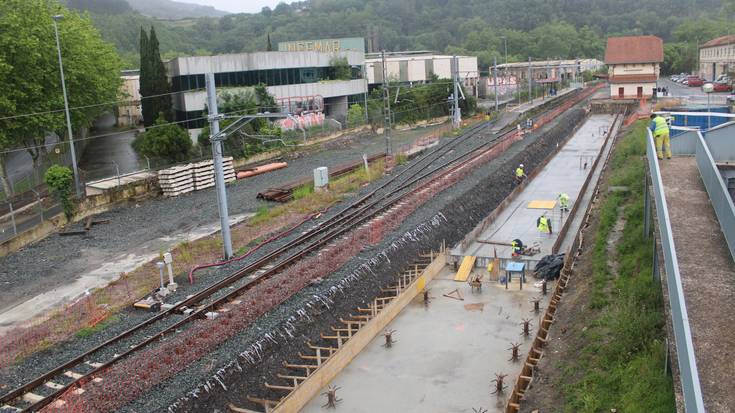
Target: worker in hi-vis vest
564,201
543,223
520,173
660,130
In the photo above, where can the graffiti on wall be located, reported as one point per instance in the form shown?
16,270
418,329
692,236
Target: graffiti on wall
305,121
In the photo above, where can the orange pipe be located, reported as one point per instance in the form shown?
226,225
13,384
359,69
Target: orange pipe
261,169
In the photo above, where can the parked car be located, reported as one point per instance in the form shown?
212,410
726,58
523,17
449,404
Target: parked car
693,81
721,87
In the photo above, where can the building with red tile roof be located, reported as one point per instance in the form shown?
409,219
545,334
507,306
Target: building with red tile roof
717,57
634,64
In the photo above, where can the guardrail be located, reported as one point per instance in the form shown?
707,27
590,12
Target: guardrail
717,191
689,374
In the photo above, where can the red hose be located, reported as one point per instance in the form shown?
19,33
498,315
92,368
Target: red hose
252,250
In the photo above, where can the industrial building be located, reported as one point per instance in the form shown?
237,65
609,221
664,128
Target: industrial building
634,65
297,80
129,113
717,57
419,67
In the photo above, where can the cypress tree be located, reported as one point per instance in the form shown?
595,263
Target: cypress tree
269,47
154,86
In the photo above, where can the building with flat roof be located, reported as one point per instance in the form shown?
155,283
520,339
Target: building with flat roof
129,112
419,67
717,57
297,79
548,69
634,65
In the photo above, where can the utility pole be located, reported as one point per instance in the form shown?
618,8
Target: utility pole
77,187
367,83
386,106
456,118
219,173
530,81
495,81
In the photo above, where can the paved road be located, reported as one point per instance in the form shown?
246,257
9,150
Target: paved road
693,95
101,154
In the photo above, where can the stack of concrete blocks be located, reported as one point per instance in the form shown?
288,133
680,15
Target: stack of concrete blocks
177,180
229,170
181,179
203,175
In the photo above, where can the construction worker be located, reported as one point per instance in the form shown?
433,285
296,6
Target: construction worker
564,202
520,174
517,246
544,225
660,130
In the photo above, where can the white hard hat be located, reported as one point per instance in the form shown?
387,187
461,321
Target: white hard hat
521,165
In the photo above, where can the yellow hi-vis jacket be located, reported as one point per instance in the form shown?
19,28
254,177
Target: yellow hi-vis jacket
543,224
662,128
519,172
564,200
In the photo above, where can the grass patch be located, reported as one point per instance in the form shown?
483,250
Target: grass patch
88,331
401,159
303,191
621,363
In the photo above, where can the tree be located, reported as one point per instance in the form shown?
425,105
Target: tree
355,116
341,69
269,46
59,181
154,87
164,141
31,83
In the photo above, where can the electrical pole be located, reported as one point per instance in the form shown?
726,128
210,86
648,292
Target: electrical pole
367,83
219,173
77,187
495,81
386,106
530,82
456,118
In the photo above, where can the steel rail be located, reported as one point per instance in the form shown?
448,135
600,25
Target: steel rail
349,222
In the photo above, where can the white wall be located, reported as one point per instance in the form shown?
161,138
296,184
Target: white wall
631,89
634,69
196,100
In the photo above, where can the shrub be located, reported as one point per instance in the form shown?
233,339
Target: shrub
164,141
355,116
59,180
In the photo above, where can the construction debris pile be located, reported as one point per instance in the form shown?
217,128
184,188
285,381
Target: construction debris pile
182,179
549,267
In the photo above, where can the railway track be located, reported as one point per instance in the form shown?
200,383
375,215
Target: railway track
46,388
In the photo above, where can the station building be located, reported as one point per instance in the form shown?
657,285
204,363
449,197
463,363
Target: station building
129,113
717,57
634,65
297,79
548,69
418,67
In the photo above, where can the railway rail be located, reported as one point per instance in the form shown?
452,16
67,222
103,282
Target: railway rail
46,388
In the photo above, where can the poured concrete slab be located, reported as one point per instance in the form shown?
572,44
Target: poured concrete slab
565,172
445,356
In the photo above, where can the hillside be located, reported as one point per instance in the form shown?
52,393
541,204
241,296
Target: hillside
174,10
536,28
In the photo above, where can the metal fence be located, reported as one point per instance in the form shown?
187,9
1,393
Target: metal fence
717,191
18,215
689,374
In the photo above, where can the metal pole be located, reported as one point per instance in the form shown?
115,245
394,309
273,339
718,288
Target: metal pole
495,81
12,218
530,84
386,106
66,109
219,173
455,77
709,114
364,75
505,42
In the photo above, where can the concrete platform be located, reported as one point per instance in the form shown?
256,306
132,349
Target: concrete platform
564,173
707,276
446,354
98,187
